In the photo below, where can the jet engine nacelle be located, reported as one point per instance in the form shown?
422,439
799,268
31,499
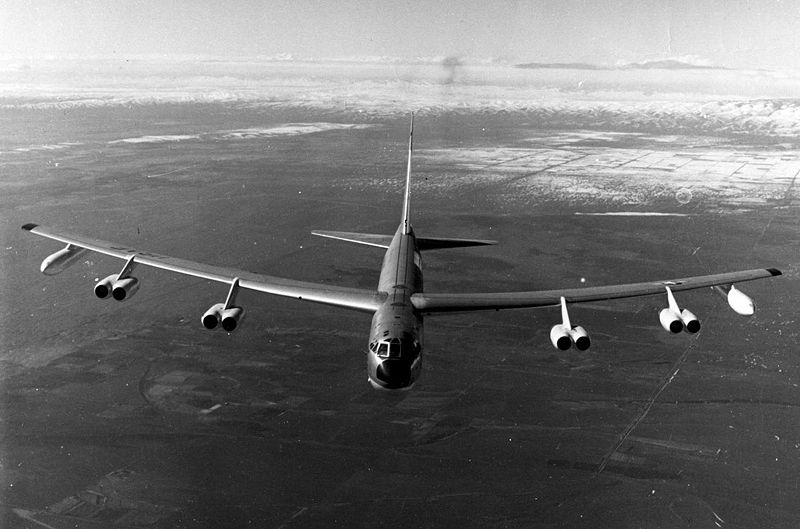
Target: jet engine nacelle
690,322
580,338
231,318
560,338
671,321
219,315
124,288
103,288
213,316
61,260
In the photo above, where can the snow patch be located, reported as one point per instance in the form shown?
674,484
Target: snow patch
157,139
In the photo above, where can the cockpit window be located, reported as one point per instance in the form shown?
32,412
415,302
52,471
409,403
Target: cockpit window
390,348
396,347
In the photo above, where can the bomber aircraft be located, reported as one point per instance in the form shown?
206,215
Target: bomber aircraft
398,304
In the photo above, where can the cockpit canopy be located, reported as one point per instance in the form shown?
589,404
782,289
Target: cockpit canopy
405,347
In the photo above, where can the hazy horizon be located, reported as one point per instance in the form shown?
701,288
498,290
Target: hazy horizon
740,35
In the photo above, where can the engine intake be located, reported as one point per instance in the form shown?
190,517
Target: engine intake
125,288
690,322
231,318
560,338
580,338
103,288
212,316
670,321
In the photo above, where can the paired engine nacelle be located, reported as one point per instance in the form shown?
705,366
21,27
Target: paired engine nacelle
119,289
225,314
675,320
562,336
228,318
559,337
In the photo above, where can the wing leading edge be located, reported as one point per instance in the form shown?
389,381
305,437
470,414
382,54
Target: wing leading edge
434,302
352,298
369,301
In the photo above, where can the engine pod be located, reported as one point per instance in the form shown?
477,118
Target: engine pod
559,337
212,316
125,288
231,318
103,288
670,321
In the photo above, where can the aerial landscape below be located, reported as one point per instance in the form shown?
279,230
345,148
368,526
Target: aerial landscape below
133,415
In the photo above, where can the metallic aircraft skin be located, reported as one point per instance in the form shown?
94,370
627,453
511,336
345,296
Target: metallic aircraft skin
394,353
395,341
394,357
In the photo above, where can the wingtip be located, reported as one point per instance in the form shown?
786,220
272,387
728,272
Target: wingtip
29,226
774,271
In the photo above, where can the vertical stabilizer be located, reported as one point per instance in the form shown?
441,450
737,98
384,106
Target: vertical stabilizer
407,198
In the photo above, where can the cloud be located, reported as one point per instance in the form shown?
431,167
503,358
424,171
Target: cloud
289,129
157,139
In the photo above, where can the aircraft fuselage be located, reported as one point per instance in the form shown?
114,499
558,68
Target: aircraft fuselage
394,357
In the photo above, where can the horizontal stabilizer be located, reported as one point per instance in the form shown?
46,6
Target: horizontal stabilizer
383,241
436,243
370,239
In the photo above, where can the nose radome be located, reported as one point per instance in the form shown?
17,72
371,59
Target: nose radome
394,373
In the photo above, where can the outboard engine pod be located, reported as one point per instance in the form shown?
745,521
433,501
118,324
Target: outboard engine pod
231,318
580,338
212,316
103,288
690,322
560,338
670,321
125,288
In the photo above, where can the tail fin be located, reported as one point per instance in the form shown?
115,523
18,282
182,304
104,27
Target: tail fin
407,198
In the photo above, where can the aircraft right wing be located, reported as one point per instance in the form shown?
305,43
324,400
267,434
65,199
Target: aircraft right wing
461,302
352,298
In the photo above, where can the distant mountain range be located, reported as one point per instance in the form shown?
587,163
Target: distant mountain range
667,64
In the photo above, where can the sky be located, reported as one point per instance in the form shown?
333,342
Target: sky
738,34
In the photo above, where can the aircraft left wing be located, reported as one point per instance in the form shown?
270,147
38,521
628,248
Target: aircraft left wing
352,298
435,302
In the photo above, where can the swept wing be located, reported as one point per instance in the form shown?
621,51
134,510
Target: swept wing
435,302
352,298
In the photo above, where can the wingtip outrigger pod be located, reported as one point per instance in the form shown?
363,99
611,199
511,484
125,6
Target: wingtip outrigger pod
740,302
61,260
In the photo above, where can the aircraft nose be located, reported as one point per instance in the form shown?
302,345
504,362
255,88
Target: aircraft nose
394,374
